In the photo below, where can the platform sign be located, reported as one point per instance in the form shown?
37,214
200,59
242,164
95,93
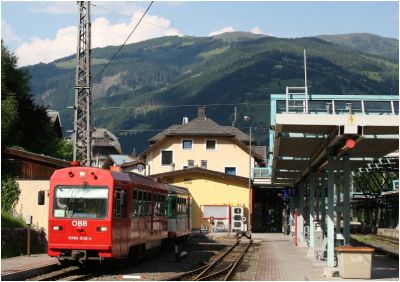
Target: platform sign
290,192
395,184
285,194
351,120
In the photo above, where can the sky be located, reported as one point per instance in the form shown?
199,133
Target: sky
43,31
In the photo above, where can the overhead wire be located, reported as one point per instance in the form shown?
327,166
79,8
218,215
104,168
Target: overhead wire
130,34
181,106
130,16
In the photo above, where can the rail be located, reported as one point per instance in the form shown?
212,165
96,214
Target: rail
220,269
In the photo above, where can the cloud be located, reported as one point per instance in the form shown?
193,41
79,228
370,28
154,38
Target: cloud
8,34
58,7
256,30
46,50
97,9
222,30
104,34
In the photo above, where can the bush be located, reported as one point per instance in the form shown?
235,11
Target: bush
14,242
9,193
10,221
14,237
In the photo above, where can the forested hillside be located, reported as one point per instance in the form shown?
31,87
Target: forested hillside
139,93
367,43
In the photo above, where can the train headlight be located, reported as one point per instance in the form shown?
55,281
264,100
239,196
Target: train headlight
102,229
57,228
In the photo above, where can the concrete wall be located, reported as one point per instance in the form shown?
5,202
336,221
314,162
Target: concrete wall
226,154
392,233
28,203
207,190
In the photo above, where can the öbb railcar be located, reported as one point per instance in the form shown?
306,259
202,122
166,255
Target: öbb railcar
97,214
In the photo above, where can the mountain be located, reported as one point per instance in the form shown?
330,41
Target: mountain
367,43
152,84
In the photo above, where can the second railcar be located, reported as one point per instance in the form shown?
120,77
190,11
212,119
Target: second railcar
179,211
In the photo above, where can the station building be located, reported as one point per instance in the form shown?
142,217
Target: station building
212,161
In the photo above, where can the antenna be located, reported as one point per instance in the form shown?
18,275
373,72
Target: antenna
305,69
234,117
83,97
305,82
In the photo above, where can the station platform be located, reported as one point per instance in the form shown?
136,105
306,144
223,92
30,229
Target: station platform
281,260
18,268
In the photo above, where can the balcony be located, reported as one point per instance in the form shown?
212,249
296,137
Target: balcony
261,175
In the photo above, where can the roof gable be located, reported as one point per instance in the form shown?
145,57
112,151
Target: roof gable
201,171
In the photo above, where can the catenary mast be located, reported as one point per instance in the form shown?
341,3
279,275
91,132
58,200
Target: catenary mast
83,98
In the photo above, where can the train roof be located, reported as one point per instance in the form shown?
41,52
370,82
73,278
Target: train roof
137,178
177,190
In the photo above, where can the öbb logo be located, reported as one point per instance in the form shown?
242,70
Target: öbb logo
79,223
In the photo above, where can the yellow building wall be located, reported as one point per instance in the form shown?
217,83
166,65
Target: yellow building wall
28,201
208,190
226,154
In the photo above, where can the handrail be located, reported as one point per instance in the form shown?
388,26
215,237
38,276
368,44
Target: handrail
262,172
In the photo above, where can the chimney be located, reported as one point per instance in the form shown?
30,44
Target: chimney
185,120
201,112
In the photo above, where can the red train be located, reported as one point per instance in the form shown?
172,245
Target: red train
96,214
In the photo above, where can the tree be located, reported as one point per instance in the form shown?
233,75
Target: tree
9,193
23,122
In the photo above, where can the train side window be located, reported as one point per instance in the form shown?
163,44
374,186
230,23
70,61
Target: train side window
117,203
140,203
162,205
124,203
145,204
150,204
156,204
134,212
184,206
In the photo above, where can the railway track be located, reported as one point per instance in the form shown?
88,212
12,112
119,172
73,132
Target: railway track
386,239
72,273
221,268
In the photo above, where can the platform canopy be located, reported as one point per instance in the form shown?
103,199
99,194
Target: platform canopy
364,128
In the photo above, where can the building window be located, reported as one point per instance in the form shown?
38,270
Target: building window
230,170
203,164
187,144
166,157
190,163
211,144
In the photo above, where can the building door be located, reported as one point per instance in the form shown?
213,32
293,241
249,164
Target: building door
267,211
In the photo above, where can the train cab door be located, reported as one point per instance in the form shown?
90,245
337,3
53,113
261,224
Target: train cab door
119,225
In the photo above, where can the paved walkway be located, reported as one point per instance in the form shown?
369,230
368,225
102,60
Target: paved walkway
281,260
21,266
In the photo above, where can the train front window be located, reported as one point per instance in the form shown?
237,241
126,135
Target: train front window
80,202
